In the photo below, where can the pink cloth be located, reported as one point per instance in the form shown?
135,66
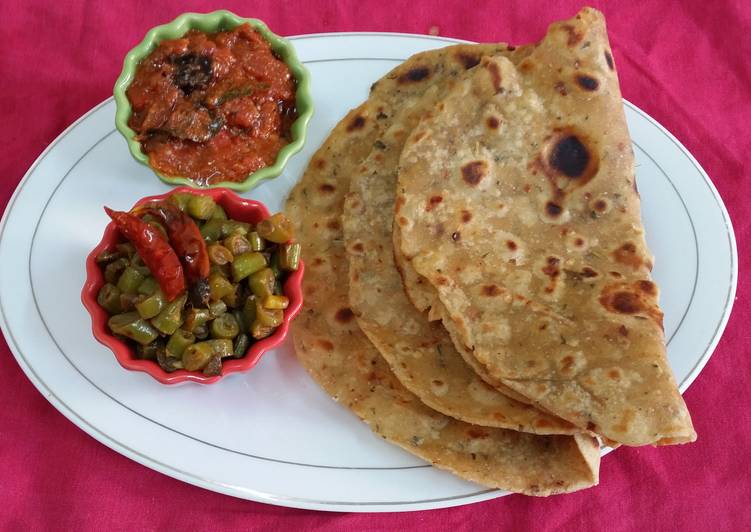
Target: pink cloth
685,63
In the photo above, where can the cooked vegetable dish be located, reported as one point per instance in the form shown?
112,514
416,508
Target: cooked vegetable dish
188,287
212,107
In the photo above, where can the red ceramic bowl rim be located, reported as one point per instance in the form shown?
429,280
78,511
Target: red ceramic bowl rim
250,211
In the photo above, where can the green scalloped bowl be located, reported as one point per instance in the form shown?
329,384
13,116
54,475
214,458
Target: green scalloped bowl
210,23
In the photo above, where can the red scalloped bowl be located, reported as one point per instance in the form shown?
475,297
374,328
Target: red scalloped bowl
237,208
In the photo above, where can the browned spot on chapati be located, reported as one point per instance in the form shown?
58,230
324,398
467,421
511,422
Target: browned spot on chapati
614,374
468,60
439,228
320,164
600,206
327,188
358,246
495,75
630,299
542,423
578,242
568,155
414,74
574,36
432,202
511,245
498,416
588,272
591,426
357,123
441,280
400,200
344,315
526,65
325,345
456,236
334,225
588,83
609,59
491,290
492,122
627,254
466,216
553,209
403,221
622,330
615,275
648,287
560,87
474,171
551,268
477,433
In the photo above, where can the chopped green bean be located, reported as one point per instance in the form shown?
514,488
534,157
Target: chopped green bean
147,352
178,342
196,317
132,326
225,326
242,342
256,242
114,269
148,286
274,264
170,318
128,301
218,254
201,332
219,286
277,228
262,282
268,317
234,298
289,256
237,244
258,330
181,200
109,298
201,207
230,227
275,302
151,306
130,279
212,230
217,308
196,356
247,264
249,312
219,213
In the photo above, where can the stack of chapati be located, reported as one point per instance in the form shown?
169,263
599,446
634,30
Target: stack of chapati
477,286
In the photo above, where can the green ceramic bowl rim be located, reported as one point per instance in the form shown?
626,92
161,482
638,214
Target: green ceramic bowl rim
213,22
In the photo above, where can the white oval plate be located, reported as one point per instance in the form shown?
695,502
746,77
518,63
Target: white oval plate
273,435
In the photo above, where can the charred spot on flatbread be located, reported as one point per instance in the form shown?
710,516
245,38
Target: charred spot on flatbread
414,74
587,83
358,122
474,171
467,59
609,60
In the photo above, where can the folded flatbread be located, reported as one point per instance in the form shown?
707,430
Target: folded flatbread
419,352
517,203
336,353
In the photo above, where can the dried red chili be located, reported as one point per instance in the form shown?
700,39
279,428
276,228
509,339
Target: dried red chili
154,250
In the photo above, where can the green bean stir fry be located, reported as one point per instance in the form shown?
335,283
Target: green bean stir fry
247,268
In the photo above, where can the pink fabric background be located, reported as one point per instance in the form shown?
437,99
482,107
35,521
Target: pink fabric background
685,63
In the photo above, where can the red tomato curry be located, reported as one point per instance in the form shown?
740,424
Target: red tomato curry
212,107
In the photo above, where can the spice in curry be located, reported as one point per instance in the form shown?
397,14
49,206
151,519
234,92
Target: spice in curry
212,107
